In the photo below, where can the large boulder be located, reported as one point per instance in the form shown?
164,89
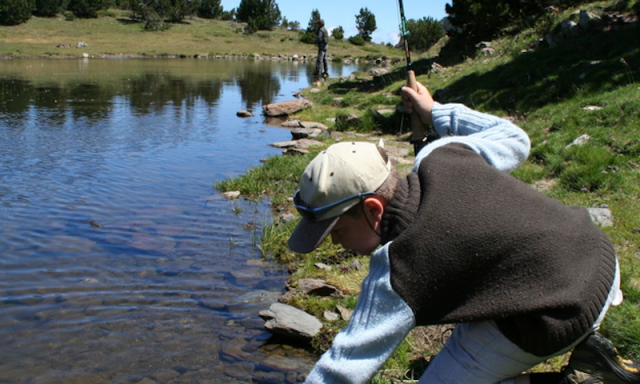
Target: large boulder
286,107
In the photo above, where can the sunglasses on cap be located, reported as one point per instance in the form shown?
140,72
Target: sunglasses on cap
317,214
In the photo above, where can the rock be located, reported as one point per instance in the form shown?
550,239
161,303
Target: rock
331,316
147,380
589,20
379,71
286,107
287,217
231,195
601,216
284,144
323,266
244,113
165,375
570,28
345,312
316,287
239,371
303,133
231,351
269,377
344,123
285,320
291,124
69,244
579,141
313,125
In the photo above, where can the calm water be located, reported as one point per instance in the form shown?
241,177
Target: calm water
119,261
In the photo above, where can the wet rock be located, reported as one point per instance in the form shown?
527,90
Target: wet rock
244,113
232,350
239,371
280,363
285,320
286,107
268,377
231,195
151,242
292,124
147,380
165,375
69,244
254,301
316,287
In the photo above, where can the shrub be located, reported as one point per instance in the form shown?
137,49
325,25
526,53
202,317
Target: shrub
338,33
307,37
87,8
357,40
14,12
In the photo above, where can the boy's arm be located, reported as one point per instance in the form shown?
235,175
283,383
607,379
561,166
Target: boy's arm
502,144
379,323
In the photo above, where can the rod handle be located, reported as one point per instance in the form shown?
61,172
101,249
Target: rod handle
416,122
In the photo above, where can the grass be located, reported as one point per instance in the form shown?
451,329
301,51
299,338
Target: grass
114,33
585,86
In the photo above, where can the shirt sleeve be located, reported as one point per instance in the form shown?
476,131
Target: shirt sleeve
503,144
379,323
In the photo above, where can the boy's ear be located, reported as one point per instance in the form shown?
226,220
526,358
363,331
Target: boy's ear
374,205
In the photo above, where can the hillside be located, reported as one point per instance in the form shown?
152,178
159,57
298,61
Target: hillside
115,34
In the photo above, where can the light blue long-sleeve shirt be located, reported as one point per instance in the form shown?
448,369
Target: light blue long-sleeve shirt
382,319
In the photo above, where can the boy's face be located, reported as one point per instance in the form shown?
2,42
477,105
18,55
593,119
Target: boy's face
356,234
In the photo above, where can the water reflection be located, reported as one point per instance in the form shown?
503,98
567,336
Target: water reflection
118,260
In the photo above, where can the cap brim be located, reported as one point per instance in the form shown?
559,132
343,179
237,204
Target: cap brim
309,234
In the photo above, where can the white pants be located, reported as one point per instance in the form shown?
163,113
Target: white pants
479,353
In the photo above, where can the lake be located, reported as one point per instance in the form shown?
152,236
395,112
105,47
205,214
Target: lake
119,260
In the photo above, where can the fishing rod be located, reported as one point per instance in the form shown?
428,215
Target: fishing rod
417,137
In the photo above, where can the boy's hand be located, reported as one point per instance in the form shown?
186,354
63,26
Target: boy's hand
420,101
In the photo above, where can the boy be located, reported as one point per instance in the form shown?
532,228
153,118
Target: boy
523,276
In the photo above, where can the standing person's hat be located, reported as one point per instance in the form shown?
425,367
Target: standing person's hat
336,180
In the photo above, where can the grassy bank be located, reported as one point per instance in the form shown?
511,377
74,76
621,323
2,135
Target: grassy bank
114,33
588,85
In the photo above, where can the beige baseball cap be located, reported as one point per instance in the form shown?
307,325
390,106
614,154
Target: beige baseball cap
335,180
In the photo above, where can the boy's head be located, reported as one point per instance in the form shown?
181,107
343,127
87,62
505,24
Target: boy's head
338,179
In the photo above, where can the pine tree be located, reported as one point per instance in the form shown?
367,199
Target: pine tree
264,14
14,12
210,9
47,8
366,23
423,33
314,22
